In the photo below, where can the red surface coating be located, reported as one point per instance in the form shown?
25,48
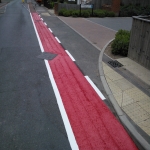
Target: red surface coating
94,126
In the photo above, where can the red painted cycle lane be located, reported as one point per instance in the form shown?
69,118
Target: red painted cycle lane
94,126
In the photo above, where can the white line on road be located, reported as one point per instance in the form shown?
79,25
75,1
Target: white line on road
57,40
67,125
70,55
50,30
95,88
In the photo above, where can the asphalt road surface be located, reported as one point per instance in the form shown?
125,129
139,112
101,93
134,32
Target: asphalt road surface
29,114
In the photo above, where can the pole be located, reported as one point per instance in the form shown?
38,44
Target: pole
80,10
92,9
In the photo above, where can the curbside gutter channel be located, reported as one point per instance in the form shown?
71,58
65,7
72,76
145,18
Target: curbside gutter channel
138,139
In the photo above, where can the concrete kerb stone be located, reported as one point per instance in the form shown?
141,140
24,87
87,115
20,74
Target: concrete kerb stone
122,116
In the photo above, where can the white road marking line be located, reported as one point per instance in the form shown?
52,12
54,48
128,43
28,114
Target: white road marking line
42,49
68,128
50,30
95,88
42,18
70,55
67,125
45,23
57,40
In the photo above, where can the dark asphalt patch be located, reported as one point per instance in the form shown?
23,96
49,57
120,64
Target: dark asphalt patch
47,56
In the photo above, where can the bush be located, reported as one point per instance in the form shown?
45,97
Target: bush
85,14
75,13
109,13
99,13
67,13
120,44
60,13
51,4
134,10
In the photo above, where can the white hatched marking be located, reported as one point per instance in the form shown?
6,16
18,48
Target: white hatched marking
95,88
50,30
57,40
70,55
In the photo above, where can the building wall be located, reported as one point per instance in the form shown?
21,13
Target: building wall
141,2
139,47
99,3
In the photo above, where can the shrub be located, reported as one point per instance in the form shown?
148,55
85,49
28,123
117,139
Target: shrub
85,14
134,10
99,13
109,14
66,13
75,13
120,44
60,13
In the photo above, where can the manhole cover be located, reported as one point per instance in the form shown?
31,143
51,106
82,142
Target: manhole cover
115,63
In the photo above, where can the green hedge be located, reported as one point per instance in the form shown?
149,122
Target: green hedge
120,44
134,10
86,13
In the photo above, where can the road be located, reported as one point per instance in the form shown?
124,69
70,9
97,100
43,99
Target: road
52,106
29,114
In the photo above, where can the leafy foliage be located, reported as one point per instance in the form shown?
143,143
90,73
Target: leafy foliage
86,13
120,44
76,13
134,10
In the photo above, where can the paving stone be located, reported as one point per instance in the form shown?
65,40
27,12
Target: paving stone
132,110
124,84
136,94
145,104
145,125
114,88
123,99
114,76
107,69
136,69
107,79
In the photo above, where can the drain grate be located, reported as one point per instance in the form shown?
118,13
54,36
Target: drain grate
115,63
